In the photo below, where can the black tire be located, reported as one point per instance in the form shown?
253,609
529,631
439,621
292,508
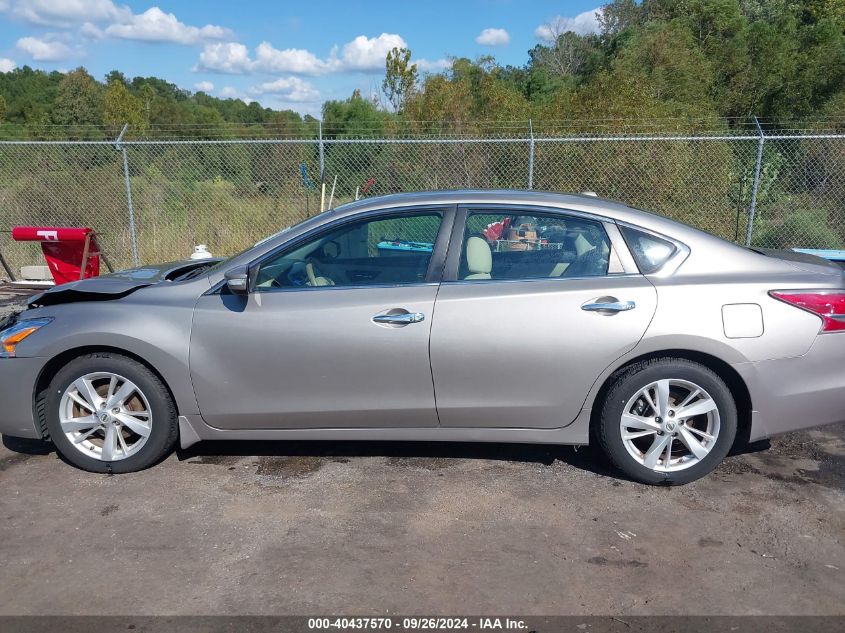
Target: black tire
628,382
164,428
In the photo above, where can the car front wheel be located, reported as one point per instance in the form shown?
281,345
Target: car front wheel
667,421
109,413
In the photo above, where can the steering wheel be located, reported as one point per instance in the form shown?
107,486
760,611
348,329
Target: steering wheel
315,277
309,271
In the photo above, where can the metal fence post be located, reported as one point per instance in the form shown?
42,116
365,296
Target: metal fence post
322,154
118,144
530,154
752,211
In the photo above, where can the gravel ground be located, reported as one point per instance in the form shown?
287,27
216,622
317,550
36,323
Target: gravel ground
10,301
381,528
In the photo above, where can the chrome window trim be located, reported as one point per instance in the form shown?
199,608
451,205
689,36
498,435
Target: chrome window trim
671,265
474,207
218,287
414,284
536,279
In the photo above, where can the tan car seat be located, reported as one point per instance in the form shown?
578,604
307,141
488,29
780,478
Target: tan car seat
479,259
582,246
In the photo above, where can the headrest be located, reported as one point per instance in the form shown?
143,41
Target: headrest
479,256
582,245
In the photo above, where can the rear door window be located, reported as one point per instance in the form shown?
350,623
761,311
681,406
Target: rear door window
509,246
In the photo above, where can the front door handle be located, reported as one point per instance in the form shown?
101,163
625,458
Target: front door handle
400,319
609,307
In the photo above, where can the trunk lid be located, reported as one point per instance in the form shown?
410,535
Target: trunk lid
804,261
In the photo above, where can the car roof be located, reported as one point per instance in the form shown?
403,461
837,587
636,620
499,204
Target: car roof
469,196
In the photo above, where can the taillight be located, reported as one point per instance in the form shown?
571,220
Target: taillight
827,304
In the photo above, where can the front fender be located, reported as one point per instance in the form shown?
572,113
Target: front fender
159,335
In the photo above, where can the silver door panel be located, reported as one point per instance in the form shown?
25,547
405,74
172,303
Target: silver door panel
525,353
314,358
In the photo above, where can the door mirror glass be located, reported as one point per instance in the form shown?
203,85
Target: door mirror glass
237,280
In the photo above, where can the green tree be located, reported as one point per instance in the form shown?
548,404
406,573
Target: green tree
121,106
79,100
569,55
442,101
351,117
147,95
670,65
2,109
115,75
400,78
618,15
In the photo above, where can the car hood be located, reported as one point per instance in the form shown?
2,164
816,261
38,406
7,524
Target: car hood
120,284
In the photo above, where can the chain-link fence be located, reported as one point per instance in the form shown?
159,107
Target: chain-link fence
153,200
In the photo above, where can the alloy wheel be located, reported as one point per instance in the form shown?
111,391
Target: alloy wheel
670,425
105,416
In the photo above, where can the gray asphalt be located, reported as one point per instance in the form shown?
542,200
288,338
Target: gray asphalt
381,528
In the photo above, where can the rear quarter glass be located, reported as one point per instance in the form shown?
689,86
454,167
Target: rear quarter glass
649,251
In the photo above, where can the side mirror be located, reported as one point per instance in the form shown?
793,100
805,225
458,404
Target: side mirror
237,280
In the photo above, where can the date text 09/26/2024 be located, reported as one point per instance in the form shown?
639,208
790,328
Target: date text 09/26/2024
416,623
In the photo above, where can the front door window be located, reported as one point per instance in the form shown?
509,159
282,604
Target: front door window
385,250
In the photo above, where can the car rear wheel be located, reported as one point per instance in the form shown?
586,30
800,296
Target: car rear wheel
109,413
667,421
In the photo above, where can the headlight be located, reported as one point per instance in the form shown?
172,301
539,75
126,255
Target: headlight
10,337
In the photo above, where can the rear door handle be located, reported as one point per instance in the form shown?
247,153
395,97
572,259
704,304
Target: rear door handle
612,306
400,319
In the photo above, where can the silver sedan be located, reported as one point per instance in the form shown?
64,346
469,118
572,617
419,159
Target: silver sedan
483,316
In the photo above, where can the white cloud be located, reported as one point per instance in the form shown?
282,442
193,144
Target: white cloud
154,25
290,60
44,50
91,31
369,53
292,89
103,18
229,93
433,66
493,37
65,12
582,24
7,65
224,57
204,86
361,54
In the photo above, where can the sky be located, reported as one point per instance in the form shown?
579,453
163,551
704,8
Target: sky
286,55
